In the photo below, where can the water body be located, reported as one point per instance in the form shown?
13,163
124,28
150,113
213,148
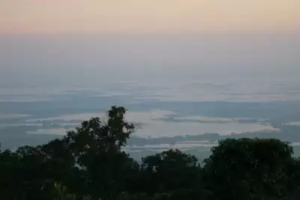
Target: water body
160,108
152,126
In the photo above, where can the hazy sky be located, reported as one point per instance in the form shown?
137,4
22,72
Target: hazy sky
224,38
148,16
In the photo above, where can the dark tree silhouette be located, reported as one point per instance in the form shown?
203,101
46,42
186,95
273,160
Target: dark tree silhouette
89,163
248,169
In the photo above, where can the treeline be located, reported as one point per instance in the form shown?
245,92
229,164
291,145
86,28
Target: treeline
89,163
289,133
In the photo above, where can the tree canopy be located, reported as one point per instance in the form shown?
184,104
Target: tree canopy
90,163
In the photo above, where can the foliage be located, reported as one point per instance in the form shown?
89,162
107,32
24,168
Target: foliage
170,170
89,164
61,193
249,169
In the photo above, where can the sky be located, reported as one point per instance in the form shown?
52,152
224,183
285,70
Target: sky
148,16
60,40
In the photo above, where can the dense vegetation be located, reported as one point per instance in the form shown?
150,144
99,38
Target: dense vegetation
89,163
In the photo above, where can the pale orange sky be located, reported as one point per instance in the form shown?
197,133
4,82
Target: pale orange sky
148,16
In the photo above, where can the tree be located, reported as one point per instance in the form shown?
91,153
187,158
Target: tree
97,149
89,163
294,180
88,160
248,169
172,172
9,163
